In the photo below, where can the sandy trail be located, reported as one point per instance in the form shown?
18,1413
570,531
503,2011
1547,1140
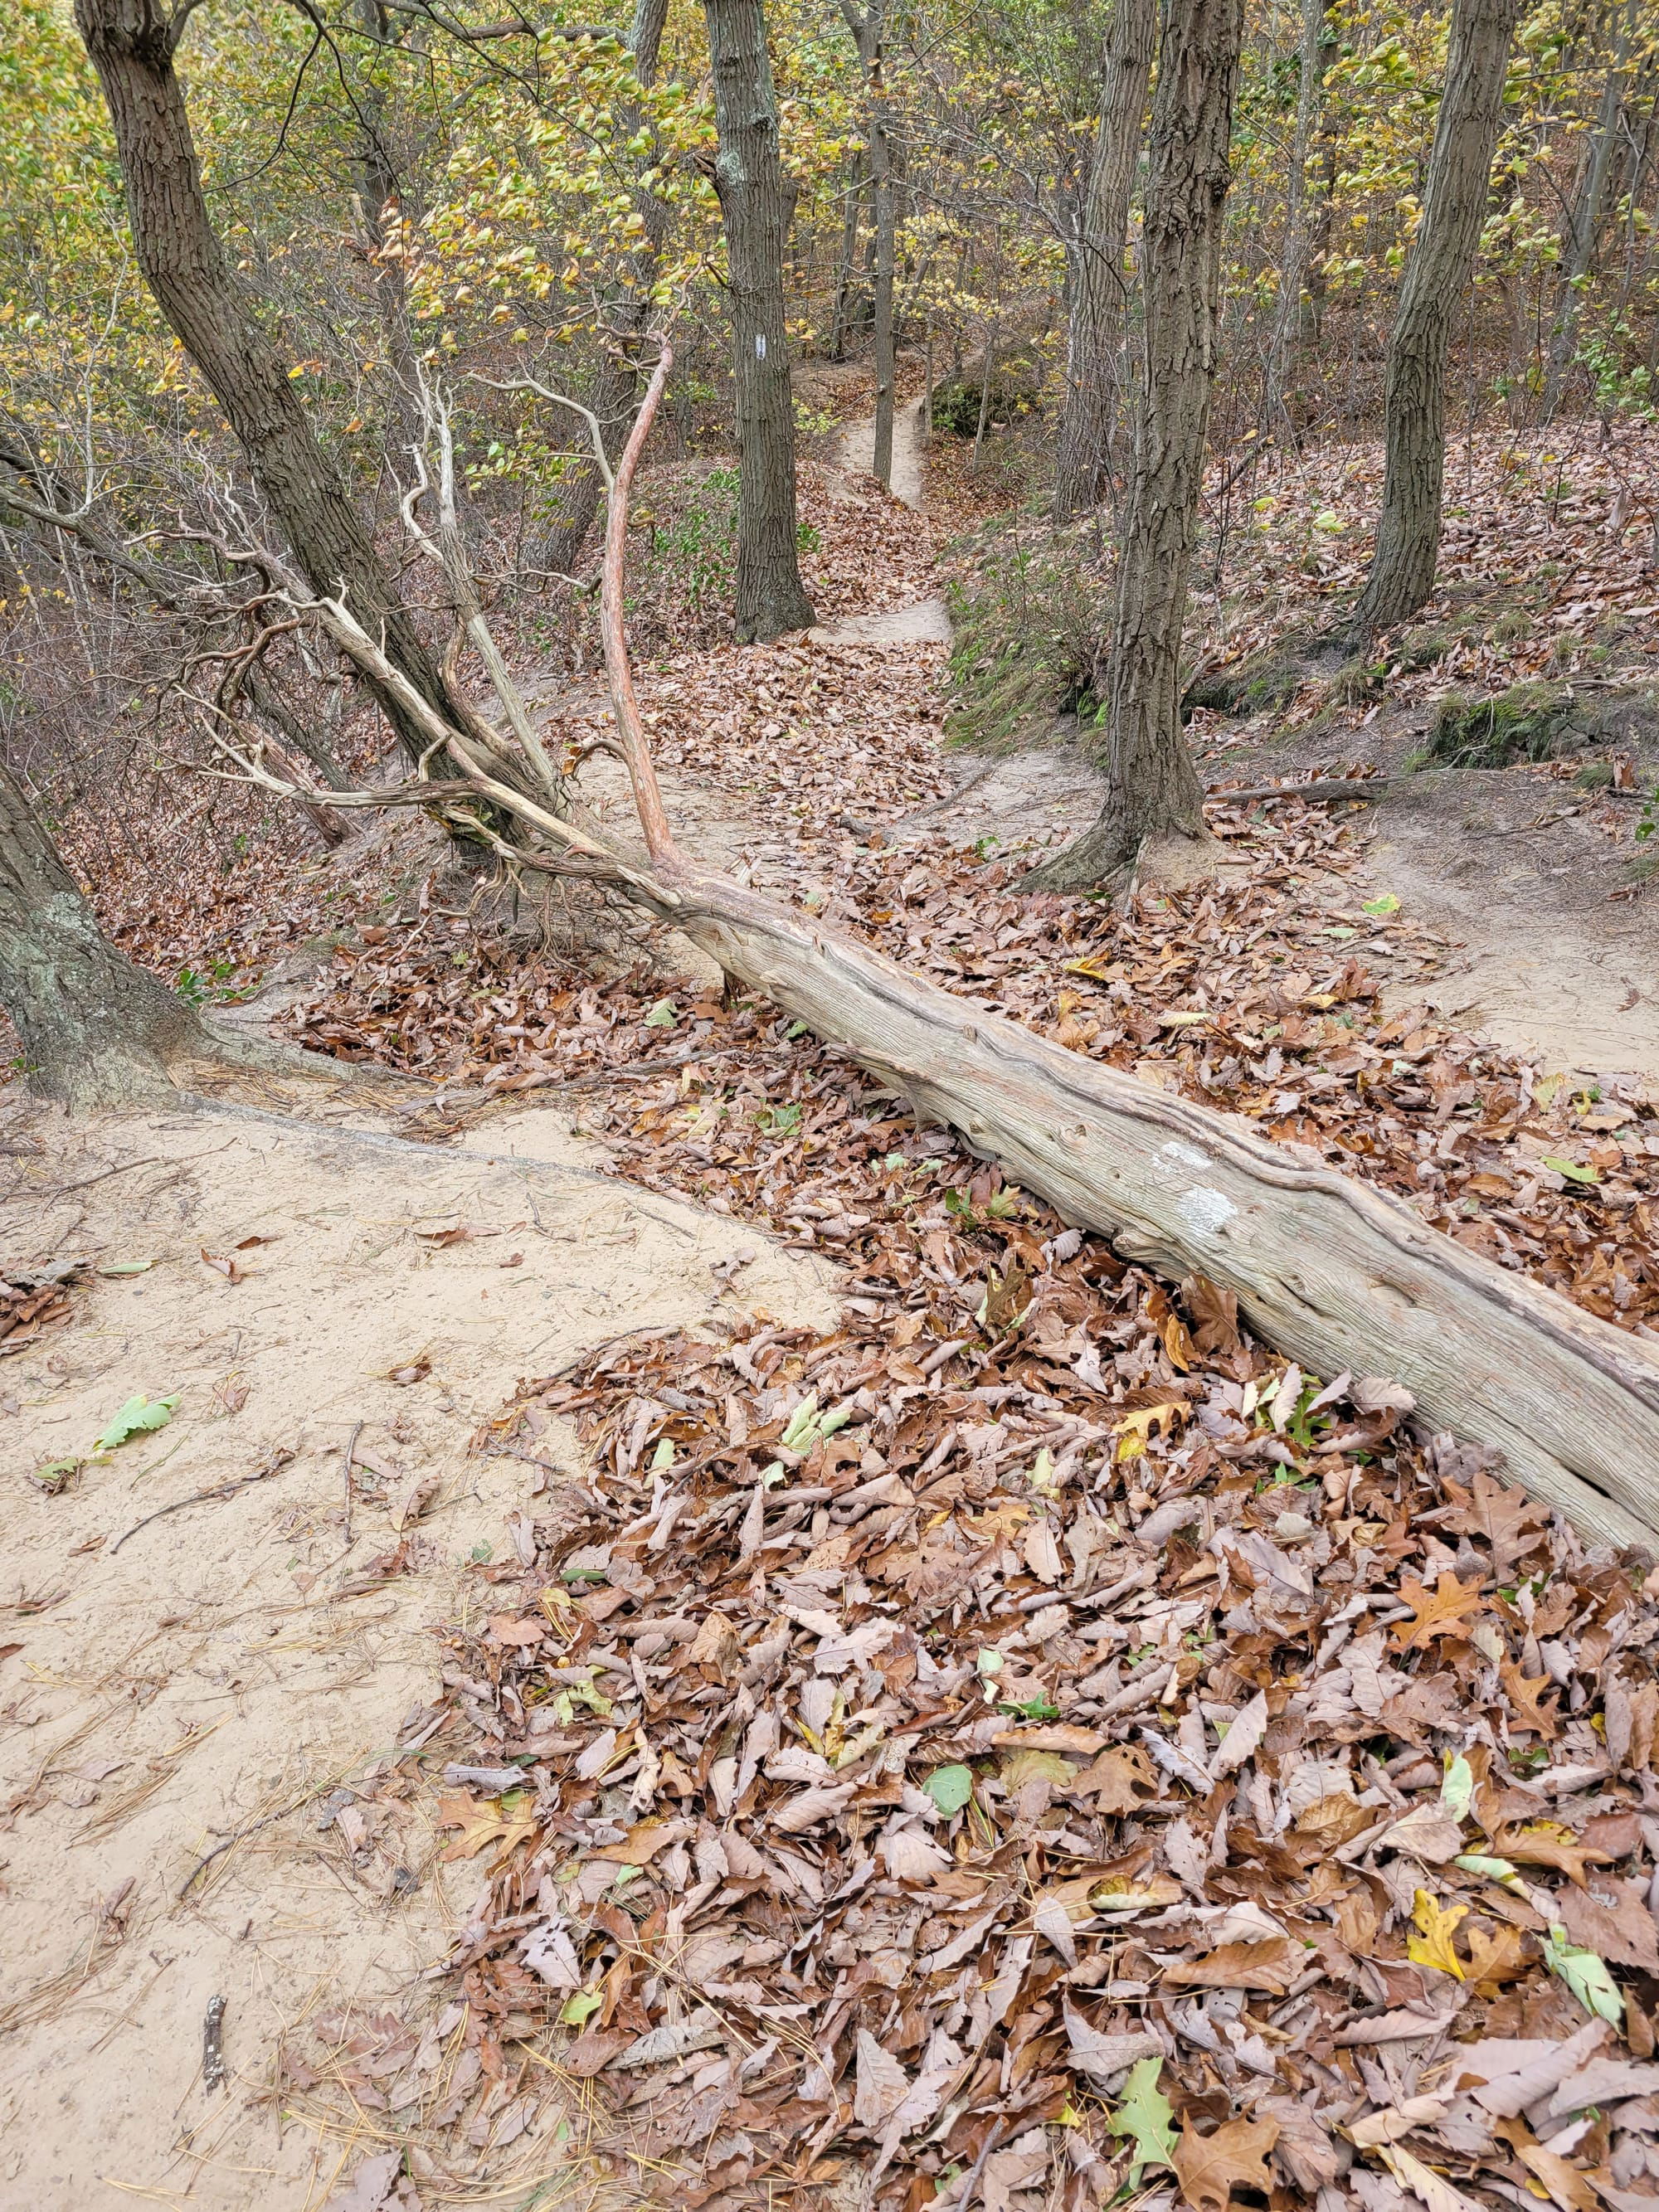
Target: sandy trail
166,1689
926,620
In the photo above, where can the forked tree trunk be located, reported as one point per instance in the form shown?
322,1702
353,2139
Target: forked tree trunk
96,1030
131,45
1152,788
1436,276
617,387
1094,337
749,179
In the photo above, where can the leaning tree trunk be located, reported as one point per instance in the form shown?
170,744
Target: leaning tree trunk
749,179
1094,338
132,43
1152,788
96,1030
1438,273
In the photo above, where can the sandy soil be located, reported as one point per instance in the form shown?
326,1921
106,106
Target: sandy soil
166,1688
1543,947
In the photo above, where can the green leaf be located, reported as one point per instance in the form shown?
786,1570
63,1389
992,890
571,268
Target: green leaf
1387,904
1586,1973
1457,1787
989,1661
949,1787
1571,1169
581,2007
1033,1709
661,1016
663,1458
136,1419
804,1428
1145,2115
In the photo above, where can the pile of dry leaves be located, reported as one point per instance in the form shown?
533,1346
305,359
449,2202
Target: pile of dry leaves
33,1298
1033,1740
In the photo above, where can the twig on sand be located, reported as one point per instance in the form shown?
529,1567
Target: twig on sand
240,1835
345,1478
196,1498
213,2051
120,1168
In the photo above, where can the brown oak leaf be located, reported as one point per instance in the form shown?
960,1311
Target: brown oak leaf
1438,1611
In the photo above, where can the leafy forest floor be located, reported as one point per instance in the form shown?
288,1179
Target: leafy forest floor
709,1652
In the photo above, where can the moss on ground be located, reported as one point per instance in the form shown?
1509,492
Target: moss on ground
1028,624
1266,680
1528,722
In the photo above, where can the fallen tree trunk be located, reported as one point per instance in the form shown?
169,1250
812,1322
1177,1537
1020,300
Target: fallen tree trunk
1328,1270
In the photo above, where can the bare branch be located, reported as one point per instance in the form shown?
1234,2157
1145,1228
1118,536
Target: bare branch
630,730
560,399
449,552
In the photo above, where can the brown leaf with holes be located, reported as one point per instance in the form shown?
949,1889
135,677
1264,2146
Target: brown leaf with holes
1210,2167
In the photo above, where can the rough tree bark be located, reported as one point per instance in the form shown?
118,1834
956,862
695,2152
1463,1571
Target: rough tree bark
749,179
869,31
1153,789
1094,337
96,1030
1436,276
132,43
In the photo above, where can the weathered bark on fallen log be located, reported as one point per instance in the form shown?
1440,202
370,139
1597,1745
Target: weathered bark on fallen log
1333,1272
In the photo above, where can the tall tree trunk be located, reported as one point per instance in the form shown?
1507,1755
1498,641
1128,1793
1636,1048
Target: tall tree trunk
869,32
1583,219
96,1030
1153,789
131,44
1437,274
1094,338
886,198
749,179
1289,308
847,268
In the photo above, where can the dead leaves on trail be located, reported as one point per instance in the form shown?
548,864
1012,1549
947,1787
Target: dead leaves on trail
916,1789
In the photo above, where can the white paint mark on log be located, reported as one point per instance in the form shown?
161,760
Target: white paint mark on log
1206,1211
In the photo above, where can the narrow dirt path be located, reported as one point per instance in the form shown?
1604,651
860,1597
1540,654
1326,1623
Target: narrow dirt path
926,620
